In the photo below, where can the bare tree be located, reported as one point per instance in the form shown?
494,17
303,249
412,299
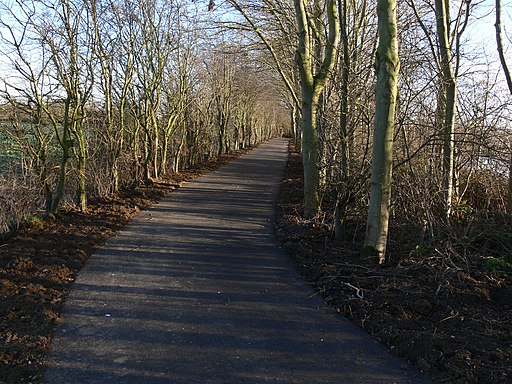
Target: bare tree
64,53
387,66
313,79
445,49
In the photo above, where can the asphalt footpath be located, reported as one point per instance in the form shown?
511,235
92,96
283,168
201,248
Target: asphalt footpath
196,289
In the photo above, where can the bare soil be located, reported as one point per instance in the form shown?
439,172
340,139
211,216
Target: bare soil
438,309
453,323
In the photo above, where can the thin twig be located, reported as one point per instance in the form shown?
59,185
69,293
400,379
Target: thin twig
359,291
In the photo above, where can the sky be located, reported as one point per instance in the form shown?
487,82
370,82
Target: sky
481,31
480,34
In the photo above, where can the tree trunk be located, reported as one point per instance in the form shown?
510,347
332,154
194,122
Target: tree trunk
65,156
340,209
313,78
387,66
82,167
177,155
509,197
156,144
499,42
449,83
310,153
506,71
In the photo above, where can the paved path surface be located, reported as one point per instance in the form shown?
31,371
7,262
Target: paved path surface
197,290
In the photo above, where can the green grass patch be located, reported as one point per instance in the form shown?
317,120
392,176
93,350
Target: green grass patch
498,266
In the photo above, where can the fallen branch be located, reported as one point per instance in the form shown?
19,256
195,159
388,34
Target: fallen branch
359,291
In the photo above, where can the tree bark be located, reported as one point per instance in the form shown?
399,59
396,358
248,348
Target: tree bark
82,168
449,83
499,42
66,144
312,85
387,66
506,71
340,209
310,153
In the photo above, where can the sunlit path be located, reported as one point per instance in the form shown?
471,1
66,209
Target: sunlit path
197,290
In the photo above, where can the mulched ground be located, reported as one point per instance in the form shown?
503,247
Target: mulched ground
453,323
40,261
443,314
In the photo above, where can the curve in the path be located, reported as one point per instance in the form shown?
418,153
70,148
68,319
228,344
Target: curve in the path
197,290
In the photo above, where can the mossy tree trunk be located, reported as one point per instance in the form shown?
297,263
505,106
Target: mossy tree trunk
387,66
313,78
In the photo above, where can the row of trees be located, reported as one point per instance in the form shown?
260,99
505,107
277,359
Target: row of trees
101,95
382,95
105,94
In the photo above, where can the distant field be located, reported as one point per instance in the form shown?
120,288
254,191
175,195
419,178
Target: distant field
9,152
